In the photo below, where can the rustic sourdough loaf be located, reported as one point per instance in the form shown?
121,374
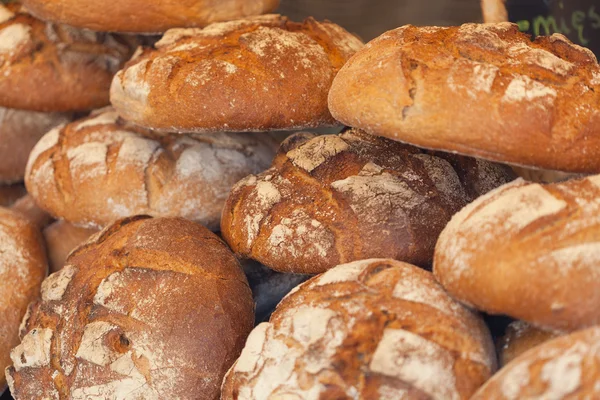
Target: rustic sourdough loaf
20,130
519,338
101,168
147,309
61,238
54,67
256,74
529,251
332,199
371,329
146,16
22,269
484,90
564,368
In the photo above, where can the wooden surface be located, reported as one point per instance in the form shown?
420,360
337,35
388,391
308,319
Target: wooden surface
370,18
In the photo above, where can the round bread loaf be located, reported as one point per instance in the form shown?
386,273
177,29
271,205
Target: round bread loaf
19,132
11,193
564,368
101,168
143,16
52,67
371,329
23,267
529,251
30,210
483,90
61,238
332,199
147,309
519,338
257,74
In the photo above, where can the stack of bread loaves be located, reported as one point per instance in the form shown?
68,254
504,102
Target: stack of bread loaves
147,302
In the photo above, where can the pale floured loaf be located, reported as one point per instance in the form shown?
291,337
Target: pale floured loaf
54,67
519,338
257,74
146,16
61,238
529,251
332,199
566,368
484,90
19,131
147,309
23,267
371,329
101,168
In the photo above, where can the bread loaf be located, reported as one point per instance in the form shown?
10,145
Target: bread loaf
143,16
54,67
61,238
147,309
27,207
101,168
22,268
519,338
564,368
494,11
484,90
257,74
19,132
529,251
371,329
338,198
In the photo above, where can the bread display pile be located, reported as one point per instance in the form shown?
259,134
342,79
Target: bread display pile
249,207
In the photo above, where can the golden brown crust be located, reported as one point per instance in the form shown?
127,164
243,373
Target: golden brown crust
258,74
101,168
332,199
147,309
61,238
484,90
143,16
23,266
53,67
19,131
529,251
371,329
519,338
566,368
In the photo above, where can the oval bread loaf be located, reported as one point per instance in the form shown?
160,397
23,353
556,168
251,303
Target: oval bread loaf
257,74
23,267
564,368
483,90
371,329
102,168
338,198
145,16
529,251
147,309
54,67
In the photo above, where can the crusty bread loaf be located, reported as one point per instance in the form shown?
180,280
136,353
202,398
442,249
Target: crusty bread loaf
53,67
258,74
11,193
147,309
146,16
332,199
27,207
484,90
519,338
529,251
101,168
564,368
61,238
22,268
19,132
371,329
494,10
